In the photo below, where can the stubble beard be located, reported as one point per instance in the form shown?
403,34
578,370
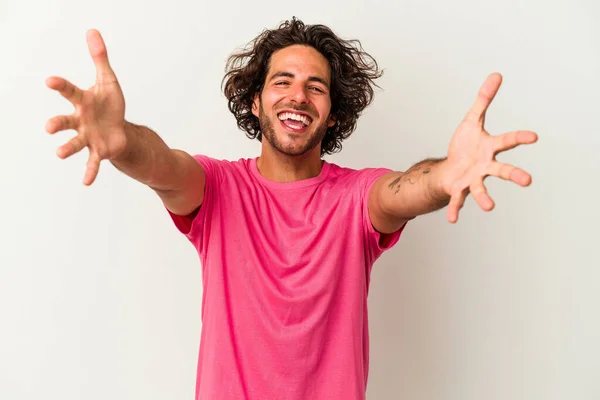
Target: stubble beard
268,133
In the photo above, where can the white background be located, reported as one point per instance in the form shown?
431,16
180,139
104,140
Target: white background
100,295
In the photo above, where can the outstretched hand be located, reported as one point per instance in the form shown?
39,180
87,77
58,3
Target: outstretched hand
472,155
99,116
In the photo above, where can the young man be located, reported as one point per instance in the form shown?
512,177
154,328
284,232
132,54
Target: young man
286,240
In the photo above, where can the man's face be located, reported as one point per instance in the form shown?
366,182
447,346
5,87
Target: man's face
294,106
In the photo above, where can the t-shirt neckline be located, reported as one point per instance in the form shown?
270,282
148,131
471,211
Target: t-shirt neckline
290,185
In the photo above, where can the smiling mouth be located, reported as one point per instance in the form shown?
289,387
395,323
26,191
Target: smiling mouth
294,121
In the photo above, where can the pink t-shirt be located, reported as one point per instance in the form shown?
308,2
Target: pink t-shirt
285,274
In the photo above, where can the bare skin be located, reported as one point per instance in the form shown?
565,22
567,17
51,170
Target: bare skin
298,82
137,151
434,183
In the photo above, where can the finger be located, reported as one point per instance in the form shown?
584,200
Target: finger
97,48
509,173
457,201
71,147
486,94
62,123
92,168
510,140
481,196
65,88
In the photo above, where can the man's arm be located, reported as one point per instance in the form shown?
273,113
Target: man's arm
173,174
137,151
398,197
434,183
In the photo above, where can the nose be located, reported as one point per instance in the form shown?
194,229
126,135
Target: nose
298,94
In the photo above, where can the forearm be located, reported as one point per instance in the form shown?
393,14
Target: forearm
417,191
148,159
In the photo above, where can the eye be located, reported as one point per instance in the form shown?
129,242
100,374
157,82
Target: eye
280,83
317,89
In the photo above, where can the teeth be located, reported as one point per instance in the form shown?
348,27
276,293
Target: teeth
296,117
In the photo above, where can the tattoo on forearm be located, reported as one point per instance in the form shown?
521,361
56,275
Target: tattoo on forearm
394,183
413,174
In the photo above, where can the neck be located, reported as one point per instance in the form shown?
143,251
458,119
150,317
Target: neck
282,168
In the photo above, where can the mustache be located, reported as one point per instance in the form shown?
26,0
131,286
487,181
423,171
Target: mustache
304,108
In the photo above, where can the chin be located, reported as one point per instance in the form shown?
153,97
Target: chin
290,143
295,146
294,150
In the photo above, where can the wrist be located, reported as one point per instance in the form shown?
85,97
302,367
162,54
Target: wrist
126,138
439,187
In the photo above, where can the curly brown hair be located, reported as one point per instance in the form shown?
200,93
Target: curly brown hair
353,72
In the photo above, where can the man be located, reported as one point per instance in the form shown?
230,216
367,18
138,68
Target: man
286,240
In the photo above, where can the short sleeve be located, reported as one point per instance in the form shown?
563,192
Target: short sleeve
194,224
376,243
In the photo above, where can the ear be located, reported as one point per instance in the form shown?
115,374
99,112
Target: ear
256,105
331,120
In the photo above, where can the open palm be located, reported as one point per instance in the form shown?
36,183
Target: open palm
99,115
472,152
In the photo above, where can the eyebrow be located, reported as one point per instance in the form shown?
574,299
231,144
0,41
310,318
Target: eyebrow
290,75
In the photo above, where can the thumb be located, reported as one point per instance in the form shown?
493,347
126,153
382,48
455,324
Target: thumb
97,48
